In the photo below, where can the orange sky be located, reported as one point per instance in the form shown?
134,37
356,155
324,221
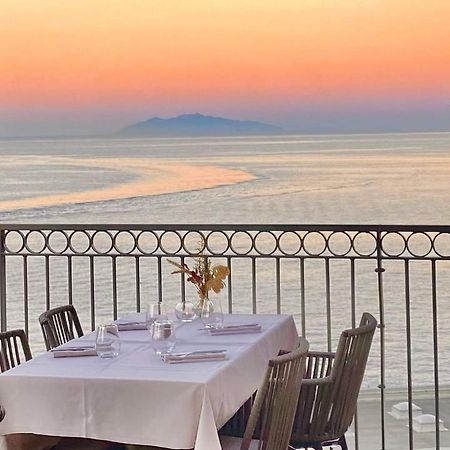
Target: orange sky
94,53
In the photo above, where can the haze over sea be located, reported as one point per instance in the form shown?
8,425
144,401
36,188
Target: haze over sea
341,179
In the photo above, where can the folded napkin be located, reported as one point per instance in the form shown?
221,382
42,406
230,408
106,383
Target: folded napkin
235,329
197,356
63,352
129,326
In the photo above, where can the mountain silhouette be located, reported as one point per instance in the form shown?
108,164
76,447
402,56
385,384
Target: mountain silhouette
190,125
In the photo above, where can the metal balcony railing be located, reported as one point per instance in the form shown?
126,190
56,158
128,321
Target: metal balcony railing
324,275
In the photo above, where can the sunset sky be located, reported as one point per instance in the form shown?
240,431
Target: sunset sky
92,66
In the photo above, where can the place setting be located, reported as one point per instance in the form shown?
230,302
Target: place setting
163,341
74,350
107,344
214,325
142,321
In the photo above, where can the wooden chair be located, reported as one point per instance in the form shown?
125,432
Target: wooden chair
59,325
14,349
330,389
275,404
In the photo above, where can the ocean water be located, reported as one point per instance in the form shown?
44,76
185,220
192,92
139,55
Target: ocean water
395,178
342,179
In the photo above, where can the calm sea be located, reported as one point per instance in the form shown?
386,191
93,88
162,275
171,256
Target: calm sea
350,179
394,178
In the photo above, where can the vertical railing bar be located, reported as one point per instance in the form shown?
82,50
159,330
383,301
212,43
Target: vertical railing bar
160,293
302,295
436,354
408,354
353,313
92,286
380,270
328,301
47,282
114,284
183,281
254,285
70,279
229,287
138,283
3,318
25,292
278,280
353,291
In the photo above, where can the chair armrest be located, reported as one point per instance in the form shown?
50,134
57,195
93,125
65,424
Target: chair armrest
317,381
322,355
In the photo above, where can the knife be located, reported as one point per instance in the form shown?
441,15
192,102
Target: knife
198,352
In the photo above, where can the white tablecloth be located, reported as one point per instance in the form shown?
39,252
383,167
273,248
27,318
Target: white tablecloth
137,398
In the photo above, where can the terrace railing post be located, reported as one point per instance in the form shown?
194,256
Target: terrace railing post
2,281
380,270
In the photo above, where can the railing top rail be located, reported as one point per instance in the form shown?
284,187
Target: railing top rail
229,227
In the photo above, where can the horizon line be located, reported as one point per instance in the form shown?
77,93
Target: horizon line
114,136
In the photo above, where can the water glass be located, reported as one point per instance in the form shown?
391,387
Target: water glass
163,336
107,343
155,311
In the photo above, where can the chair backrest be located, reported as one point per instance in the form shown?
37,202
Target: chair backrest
348,372
14,349
331,386
276,400
59,325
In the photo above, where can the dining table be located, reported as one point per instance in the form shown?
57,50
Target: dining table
137,397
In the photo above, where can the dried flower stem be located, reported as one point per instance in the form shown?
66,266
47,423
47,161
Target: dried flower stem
204,275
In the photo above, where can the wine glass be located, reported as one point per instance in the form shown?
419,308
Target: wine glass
155,311
163,336
107,342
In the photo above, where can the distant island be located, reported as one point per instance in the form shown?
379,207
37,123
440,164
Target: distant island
197,125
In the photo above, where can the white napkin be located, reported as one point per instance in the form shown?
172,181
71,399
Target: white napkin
197,356
129,326
235,329
63,352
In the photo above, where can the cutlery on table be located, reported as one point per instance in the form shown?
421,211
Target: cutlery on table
198,352
73,349
194,356
120,322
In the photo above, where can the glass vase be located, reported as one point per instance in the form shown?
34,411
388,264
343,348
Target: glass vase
185,311
211,313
